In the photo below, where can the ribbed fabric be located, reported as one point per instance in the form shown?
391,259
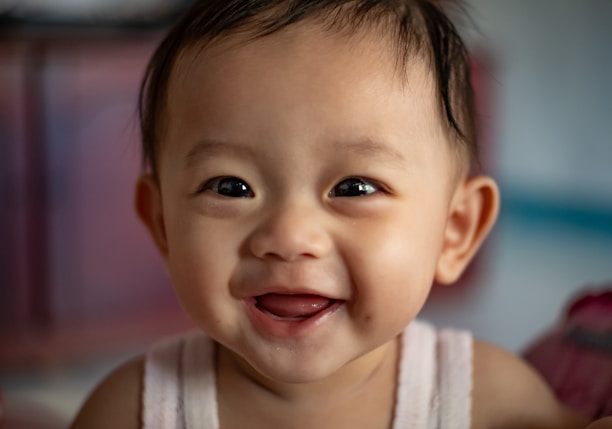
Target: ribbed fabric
455,350
161,387
416,381
435,379
433,392
200,384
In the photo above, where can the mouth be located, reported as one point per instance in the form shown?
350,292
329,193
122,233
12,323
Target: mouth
292,307
290,315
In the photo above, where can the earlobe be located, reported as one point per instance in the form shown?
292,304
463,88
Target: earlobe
472,214
148,204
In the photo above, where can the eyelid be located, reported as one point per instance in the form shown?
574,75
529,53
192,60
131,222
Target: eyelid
207,185
380,186
372,182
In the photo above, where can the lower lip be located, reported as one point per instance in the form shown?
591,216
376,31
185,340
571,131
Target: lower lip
268,325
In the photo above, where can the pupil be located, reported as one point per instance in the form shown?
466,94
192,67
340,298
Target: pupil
354,188
233,188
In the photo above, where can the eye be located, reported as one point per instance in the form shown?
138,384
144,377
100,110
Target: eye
232,187
354,187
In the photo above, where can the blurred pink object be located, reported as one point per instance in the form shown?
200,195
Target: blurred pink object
576,356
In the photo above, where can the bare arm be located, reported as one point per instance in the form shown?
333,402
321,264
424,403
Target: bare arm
508,393
605,423
115,402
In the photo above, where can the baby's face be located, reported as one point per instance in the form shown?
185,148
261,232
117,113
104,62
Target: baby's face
305,190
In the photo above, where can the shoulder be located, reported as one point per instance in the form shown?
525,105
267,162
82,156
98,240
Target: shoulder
116,400
507,392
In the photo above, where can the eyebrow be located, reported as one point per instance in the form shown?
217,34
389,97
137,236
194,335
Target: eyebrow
365,147
372,148
205,148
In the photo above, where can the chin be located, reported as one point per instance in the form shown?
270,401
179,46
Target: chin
296,371
297,377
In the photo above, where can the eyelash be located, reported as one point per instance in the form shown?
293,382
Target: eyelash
214,184
364,187
361,186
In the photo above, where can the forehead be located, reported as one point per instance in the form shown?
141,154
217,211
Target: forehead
341,82
305,48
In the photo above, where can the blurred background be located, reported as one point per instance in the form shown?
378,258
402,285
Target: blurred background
81,287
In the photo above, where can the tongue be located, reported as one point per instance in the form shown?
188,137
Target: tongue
301,305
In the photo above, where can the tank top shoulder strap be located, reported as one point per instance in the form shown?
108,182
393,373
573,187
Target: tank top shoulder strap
161,387
179,384
416,378
199,383
435,379
455,378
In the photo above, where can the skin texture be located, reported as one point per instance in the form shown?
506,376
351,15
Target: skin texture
605,423
266,144
317,127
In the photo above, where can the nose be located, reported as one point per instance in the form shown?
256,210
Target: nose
290,233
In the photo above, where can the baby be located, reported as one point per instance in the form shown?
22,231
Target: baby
312,170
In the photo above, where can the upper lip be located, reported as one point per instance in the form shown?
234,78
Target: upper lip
293,290
259,287
289,280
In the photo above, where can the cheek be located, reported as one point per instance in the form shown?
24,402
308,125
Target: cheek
393,267
200,264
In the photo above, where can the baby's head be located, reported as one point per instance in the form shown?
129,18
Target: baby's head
409,30
310,174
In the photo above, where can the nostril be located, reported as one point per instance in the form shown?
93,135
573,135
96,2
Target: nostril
286,256
290,241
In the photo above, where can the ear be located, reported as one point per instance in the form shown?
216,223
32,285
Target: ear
473,212
149,208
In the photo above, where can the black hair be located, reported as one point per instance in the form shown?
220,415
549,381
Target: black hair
415,26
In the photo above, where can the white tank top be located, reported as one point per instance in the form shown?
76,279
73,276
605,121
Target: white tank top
433,390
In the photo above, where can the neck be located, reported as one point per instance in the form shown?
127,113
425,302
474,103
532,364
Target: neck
362,391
